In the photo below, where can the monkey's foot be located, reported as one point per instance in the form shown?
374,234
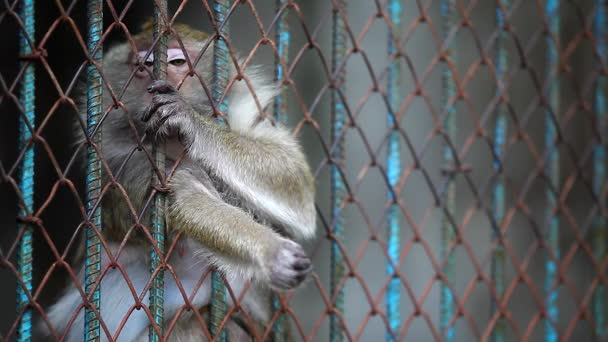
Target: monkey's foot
289,267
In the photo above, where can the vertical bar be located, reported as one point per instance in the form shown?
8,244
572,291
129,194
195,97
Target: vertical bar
94,102
552,168
157,288
280,332
338,191
26,170
282,38
447,231
221,74
498,193
599,165
393,170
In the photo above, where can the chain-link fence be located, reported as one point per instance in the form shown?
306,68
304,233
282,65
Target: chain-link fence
458,149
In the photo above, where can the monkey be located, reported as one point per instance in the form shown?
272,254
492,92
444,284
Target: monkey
240,194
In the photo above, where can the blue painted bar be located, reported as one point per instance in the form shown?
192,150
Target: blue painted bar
338,190
157,288
446,297
282,38
221,67
27,99
93,179
552,171
498,194
599,167
393,171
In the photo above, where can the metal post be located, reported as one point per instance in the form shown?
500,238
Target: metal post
338,117
552,170
393,170
599,166
498,194
157,289
221,74
94,109
26,170
280,332
447,230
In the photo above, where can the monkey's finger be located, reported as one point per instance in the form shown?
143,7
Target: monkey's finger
157,102
154,126
301,264
161,87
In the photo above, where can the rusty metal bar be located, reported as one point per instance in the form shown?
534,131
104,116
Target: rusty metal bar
338,191
27,97
94,112
449,125
157,289
221,75
393,171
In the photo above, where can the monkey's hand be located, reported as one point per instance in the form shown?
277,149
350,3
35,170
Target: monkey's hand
289,266
168,114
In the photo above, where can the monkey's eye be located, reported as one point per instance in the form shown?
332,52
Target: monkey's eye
176,57
177,61
148,63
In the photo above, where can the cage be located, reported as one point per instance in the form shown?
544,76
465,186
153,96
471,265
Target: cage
458,149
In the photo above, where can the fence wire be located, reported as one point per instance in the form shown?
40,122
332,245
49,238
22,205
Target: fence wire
458,147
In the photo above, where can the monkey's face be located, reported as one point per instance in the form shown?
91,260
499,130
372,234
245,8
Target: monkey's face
131,71
177,67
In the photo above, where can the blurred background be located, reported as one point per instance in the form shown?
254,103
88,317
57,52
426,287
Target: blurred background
470,37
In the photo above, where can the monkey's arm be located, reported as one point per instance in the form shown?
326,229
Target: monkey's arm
237,241
265,165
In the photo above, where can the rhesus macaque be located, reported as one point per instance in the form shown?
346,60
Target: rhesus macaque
241,193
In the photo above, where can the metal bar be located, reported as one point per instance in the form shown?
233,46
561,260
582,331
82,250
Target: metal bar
157,289
280,332
282,38
599,166
498,193
393,171
221,75
552,169
338,191
94,103
26,170
447,230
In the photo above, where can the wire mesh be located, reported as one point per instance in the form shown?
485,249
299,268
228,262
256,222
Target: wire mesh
458,144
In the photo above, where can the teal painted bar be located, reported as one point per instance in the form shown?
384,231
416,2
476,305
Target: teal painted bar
338,191
27,97
447,230
93,181
600,235
279,330
498,193
393,171
157,288
221,74
552,170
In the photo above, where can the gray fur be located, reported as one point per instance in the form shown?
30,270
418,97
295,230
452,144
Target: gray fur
241,194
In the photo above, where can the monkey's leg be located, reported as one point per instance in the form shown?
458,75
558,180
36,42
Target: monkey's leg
238,243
